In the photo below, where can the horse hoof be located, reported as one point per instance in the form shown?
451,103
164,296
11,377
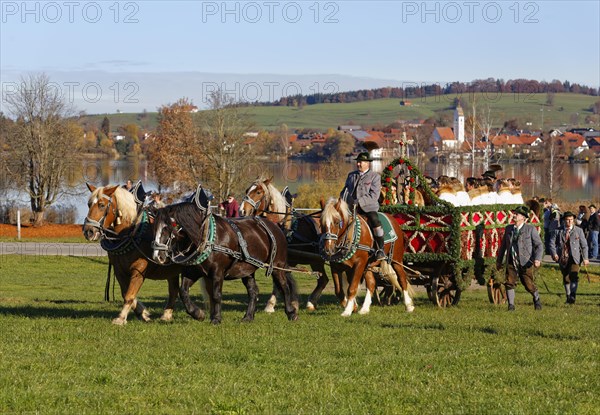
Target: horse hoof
198,315
346,314
310,307
363,312
119,321
247,319
215,322
269,309
166,319
410,308
293,317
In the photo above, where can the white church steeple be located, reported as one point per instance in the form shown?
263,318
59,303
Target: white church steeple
459,124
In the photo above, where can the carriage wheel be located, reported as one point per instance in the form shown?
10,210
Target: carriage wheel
496,292
444,292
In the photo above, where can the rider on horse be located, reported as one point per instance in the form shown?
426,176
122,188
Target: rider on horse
362,189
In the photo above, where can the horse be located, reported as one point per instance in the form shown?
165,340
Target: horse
303,233
126,234
347,243
222,249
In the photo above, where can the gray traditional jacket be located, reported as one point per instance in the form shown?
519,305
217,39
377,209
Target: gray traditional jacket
364,189
529,243
577,244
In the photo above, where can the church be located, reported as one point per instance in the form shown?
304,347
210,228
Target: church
446,138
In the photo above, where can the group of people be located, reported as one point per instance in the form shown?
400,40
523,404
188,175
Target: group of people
588,219
486,190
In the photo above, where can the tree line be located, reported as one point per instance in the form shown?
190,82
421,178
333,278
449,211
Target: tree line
414,91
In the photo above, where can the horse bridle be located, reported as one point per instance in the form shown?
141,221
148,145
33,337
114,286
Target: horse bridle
99,224
255,204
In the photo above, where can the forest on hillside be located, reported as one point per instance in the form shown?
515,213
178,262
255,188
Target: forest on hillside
413,90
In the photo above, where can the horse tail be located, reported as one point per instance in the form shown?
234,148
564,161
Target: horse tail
388,272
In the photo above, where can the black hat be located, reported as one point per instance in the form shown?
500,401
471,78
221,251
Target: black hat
568,214
489,174
364,156
523,210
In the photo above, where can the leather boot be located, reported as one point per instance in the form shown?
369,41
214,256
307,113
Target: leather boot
379,244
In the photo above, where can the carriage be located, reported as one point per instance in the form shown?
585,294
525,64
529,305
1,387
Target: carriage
447,246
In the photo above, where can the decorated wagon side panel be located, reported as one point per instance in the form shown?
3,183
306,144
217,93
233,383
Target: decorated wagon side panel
466,238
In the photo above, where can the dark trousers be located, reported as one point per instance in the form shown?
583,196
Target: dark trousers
570,273
372,218
524,274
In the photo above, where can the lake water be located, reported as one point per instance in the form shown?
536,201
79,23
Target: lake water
577,181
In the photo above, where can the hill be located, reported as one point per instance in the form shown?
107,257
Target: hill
566,108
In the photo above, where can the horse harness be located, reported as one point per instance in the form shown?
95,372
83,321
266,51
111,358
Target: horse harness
208,245
347,248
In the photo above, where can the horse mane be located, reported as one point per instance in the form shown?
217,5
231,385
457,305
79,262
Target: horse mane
188,216
331,214
124,200
277,200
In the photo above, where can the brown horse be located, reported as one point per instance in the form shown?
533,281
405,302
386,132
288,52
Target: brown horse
303,233
347,243
219,249
126,236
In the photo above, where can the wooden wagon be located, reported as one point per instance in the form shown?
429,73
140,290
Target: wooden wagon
447,246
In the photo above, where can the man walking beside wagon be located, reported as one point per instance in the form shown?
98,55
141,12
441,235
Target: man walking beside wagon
569,248
524,249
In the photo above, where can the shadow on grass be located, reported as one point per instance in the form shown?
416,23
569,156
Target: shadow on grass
50,312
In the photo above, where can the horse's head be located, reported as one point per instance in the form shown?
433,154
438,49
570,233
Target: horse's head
334,221
257,198
111,209
167,232
177,228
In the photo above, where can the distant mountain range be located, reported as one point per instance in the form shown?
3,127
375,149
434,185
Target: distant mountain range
99,92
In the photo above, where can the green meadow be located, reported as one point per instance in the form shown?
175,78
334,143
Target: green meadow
60,353
524,107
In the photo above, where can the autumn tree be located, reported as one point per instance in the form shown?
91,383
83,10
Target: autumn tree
42,142
338,144
174,153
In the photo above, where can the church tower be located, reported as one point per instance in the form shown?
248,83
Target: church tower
459,124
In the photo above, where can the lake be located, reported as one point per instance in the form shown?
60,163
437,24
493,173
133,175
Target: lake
577,181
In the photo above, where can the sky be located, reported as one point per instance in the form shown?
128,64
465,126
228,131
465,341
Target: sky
134,55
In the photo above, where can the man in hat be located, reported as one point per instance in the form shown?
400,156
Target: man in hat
524,250
230,206
569,248
362,188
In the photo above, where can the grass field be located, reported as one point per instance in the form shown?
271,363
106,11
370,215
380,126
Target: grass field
524,107
60,354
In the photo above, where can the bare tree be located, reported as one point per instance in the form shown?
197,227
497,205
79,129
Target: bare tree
224,142
554,167
486,123
42,142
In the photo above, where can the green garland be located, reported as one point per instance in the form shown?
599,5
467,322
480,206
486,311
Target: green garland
464,270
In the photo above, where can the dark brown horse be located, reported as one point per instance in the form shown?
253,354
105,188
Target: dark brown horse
126,236
347,241
303,233
222,249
